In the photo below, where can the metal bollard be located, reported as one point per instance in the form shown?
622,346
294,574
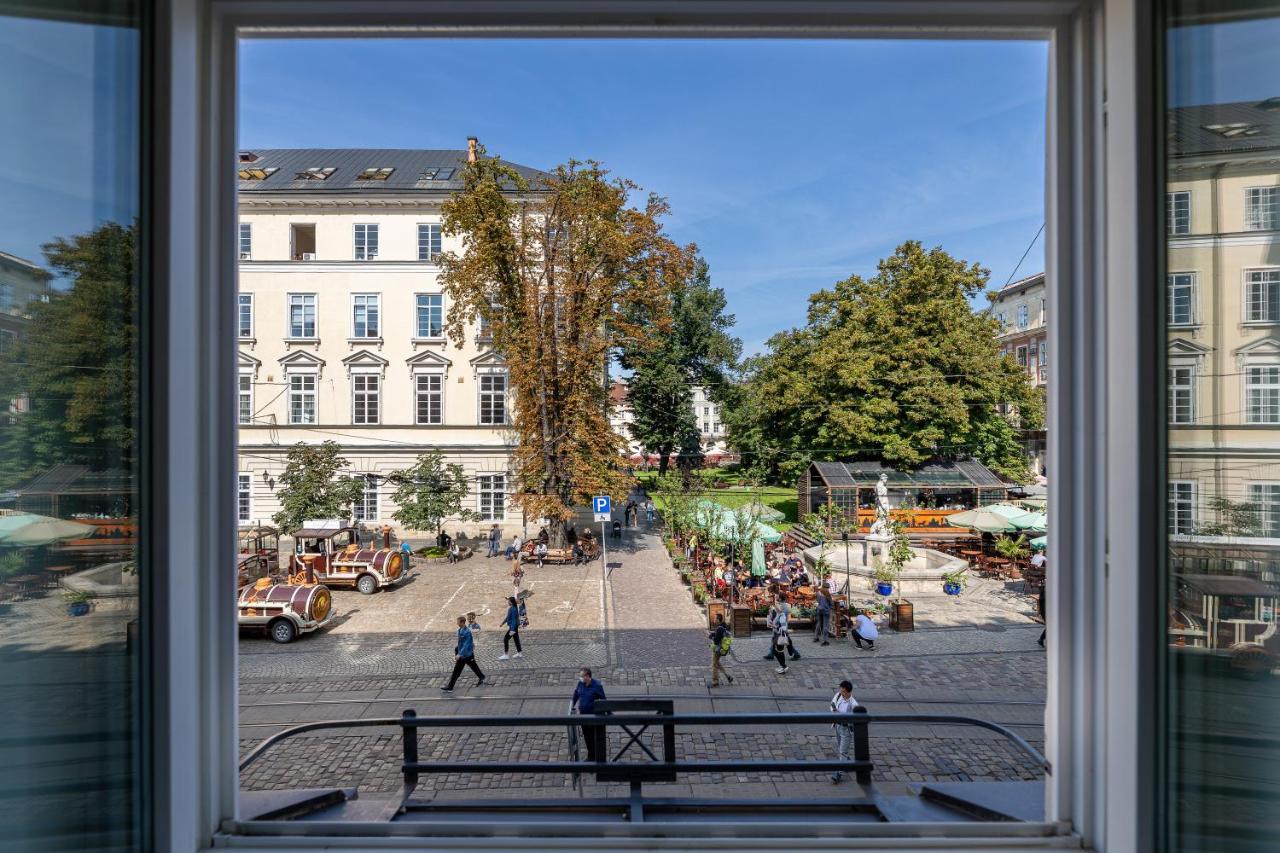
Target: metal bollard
410,735
861,746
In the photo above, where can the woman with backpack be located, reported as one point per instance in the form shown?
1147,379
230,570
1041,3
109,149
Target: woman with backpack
720,642
781,639
512,623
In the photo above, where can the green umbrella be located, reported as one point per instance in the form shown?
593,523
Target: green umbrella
982,519
1040,543
757,559
42,530
767,533
761,511
1036,522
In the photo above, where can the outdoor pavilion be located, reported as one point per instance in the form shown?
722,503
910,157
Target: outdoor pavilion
921,498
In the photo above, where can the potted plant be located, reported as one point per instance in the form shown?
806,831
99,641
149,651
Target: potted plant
78,601
885,576
1011,548
900,614
699,594
954,582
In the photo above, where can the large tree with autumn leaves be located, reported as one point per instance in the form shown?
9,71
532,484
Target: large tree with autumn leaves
565,273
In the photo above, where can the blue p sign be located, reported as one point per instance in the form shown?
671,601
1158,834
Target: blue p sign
600,504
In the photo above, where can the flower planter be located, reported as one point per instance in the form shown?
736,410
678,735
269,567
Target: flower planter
883,588
79,608
951,588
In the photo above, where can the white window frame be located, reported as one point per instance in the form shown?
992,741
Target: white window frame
1252,412
245,241
417,317
360,379
1268,510
1178,281
244,497
361,232
504,396
439,377
1098,716
1262,217
1024,316
495,510
301,394
434,238
1269,309
1183,493
1177,225
1189,388
244,396
372,305
244,300
370,499
303,304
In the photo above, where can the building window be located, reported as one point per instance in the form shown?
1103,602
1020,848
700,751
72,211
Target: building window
365,397
1182,507
1262,209
1021,356
1182,289
302,315
428,242
366,241
493,496
1000,319
1182,395
6,296
1262,296
364,315
430,315
1044,312
246,241
1024,316
429,398
1044,353
244,501
1266,497
493,399
1179,209
366,506
1262,394
246,315
8,339
246,398
302,398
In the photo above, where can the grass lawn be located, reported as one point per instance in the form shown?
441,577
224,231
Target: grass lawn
779,497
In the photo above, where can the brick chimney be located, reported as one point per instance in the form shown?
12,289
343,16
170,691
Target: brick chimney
472,142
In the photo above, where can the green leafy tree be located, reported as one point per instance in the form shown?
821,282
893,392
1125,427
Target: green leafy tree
559,272
313,486
76,362
429,492
894,367
1234,519
699,350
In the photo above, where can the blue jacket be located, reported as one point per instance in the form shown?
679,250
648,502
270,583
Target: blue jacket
824,605
466,647
585,696
513,619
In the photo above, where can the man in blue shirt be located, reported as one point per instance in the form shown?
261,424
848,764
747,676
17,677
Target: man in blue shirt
586,693
464,654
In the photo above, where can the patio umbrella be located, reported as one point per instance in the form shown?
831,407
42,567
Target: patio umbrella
767,533
762,511
41,530
1039,543
757,559
982,519
1036,522
1009,511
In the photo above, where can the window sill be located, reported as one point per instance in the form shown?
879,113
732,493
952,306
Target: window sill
436,340
377,341
1260,324
302,340
1184,327
251,341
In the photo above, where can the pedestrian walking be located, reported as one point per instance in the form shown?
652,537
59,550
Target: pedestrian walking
864,631
822,619
540,552
512,621
586,693
407,552
513,549
1040,608
495,540
517,575
842,703
472,624
649,511
781,640
721,641
780,609
464,655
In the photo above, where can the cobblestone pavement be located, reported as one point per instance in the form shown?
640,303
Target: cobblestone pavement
637,627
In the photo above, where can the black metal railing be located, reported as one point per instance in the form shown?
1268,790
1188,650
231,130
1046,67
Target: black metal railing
630,717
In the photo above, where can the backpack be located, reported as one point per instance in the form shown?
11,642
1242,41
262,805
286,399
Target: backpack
724,645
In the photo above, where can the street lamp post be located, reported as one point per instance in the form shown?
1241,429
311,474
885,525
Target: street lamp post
848,589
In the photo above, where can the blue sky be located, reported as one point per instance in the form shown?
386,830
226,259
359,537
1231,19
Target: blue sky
792,164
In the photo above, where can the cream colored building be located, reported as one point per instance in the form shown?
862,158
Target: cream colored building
1223,312
1021,309
340,328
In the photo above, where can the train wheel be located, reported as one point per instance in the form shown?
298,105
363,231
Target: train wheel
367,584
282,631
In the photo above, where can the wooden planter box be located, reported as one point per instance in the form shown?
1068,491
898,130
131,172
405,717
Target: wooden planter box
717,607
902,616
741,621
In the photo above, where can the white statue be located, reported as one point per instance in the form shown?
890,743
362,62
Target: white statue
881,525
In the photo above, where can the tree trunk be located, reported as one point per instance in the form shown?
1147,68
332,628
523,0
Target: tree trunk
664,456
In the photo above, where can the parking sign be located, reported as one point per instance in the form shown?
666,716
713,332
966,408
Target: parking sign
602,507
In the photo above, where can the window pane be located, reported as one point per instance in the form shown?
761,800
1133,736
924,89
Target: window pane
430,398
1221,788
246,315
430,315
69,606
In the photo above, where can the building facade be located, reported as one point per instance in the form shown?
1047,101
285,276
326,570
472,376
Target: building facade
22,282
341,334
1021,309
706,415
1223,315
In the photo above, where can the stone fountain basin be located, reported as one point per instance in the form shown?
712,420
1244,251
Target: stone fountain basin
922,575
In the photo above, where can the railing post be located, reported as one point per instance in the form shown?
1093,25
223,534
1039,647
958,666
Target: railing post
861,746
410,734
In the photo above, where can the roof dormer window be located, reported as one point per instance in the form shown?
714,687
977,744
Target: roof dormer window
257,173
375,174
315,174
435,173
248,157
1233,130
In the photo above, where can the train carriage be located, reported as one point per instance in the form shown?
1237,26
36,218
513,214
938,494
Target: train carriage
331,549
285,607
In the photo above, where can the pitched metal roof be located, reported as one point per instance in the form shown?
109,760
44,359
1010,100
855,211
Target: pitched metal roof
1229,585
964,473
1224,128
1020,284
408,169
69,479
